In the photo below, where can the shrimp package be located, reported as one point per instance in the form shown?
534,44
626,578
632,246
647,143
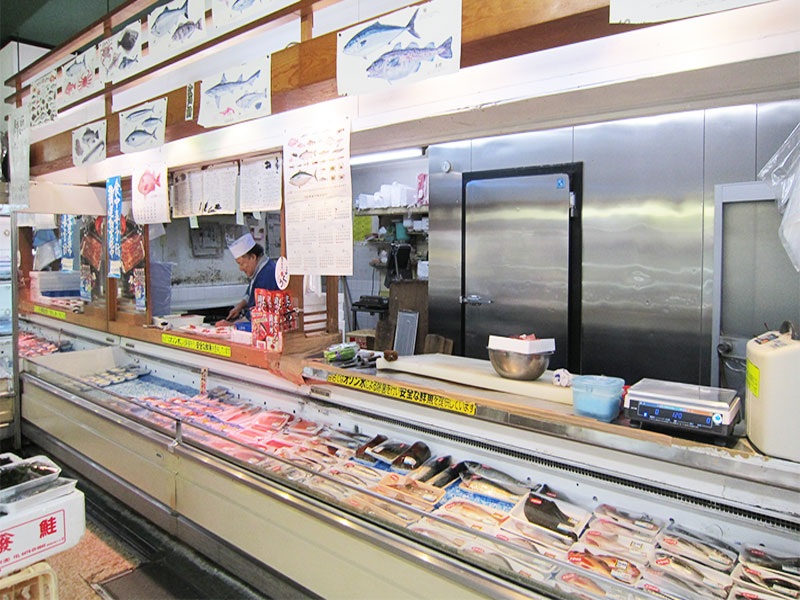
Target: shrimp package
701,548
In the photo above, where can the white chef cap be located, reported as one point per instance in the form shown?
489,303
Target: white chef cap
242,246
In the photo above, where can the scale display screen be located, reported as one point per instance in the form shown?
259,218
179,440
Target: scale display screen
675,415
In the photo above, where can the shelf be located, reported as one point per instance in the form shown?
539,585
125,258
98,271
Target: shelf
380,212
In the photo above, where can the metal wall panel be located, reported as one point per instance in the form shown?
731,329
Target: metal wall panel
522,150
774,123
642,240
445,165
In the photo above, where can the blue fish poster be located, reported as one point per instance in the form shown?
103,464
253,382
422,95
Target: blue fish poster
114,225
143,126
68,242
175,27
405,46
236,94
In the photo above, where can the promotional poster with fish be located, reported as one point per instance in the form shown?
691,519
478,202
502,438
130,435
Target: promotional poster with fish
80,77
407,45
121,55
142,127
179,24
89,143
43,99
318,200
236,94
227,12
149,195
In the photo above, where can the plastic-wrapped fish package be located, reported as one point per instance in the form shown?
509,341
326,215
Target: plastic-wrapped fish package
497,558
305,427
642,524
476,516
606,564
356,474
442,533
701,548
487,481
666,586
418,494
399,455
560,520
607,536
751,575
741,592
574,583
769,559
707,582
389,511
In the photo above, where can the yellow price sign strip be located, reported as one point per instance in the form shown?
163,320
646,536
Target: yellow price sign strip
50,312
402,393
190,344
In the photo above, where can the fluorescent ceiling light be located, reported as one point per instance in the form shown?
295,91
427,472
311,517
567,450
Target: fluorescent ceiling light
364,159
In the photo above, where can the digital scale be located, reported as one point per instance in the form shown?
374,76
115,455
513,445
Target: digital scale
683,406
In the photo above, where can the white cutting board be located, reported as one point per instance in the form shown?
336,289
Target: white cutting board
476,373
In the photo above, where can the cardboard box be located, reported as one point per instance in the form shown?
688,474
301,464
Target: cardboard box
365,338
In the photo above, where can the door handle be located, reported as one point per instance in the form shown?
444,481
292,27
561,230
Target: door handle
473,300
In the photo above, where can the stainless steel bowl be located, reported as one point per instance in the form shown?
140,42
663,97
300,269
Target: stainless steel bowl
516,365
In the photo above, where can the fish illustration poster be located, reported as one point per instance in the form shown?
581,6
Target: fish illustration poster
260,183
80,77
227,12
89,143
236,94
149,194
43,99
176,26
143,126
408,45
120,56
318,200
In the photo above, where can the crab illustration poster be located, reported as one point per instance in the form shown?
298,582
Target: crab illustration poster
89,143
318,200
142,127
120,56
408,45
80,77
19,136
227,12
43,99
236,94
149,194
177,25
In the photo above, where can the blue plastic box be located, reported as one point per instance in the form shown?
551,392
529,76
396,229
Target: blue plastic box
597,396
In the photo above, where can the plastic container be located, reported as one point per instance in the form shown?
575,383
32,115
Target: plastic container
37,582
597,396
31,473
24,499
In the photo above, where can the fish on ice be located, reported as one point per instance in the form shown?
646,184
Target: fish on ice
228,87
168,18
148,182
377,35
401,62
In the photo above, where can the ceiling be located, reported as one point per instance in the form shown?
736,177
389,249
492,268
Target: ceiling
49,23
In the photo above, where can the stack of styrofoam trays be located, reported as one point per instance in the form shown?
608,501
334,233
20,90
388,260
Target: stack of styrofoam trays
116,375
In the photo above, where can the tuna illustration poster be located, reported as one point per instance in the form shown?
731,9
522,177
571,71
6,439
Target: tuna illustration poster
89,143
318,200
142,127
43,99
80,77
236,94
229,12
408,45
150,200
176,26
120,56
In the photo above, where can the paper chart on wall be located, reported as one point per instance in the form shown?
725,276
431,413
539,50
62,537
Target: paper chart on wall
236,94
80,77
176,26
89,143
211,191
143,126
149,194
655,11
227,12
318,200
120,56
19,136
407,45
43,100
261,183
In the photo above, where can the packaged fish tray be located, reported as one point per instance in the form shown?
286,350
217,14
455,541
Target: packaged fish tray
606,564
23,499
25,475
585,586
699,547
787,564
661,585
741,592
708,582
642,524
557,516
766,580
609,536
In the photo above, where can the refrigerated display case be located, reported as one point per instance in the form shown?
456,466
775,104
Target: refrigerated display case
323,484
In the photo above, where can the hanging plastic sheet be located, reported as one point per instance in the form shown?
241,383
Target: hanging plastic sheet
782,173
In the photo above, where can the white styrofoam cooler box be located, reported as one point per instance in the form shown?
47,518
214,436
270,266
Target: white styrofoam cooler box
45,529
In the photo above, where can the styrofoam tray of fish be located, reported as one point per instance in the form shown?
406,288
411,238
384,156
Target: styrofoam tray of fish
575,583
26,474
752,575
769,559
23,499
708,581
641,525
702,548
606,564
612,537
554,515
